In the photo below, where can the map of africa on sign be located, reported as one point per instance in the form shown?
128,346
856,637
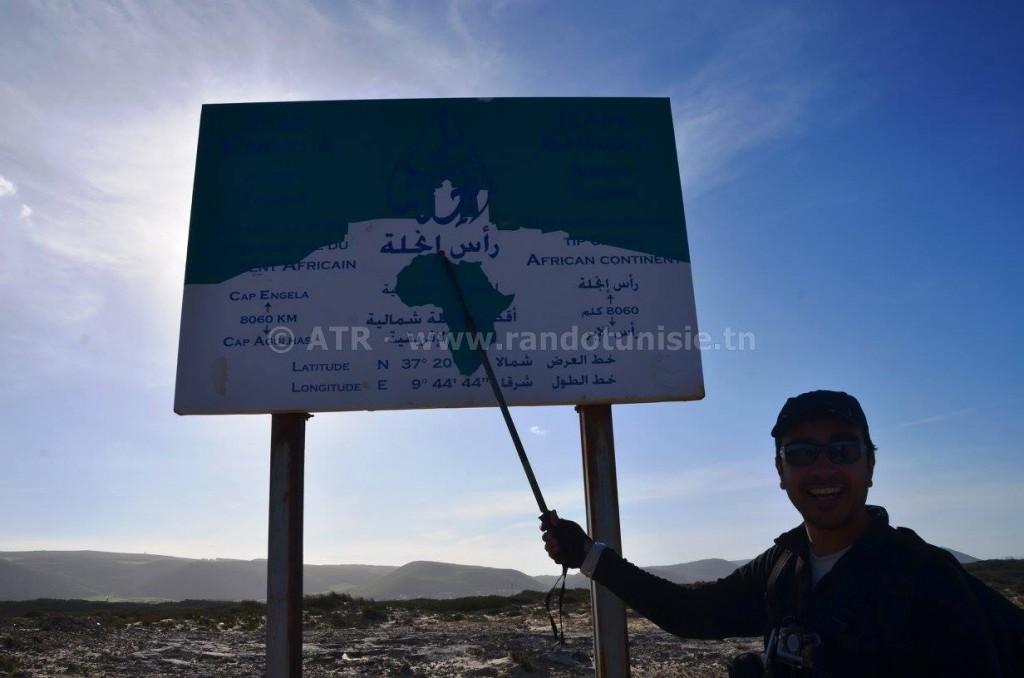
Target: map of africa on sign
315,279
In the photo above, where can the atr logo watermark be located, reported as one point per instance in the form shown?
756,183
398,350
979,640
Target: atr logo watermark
282,339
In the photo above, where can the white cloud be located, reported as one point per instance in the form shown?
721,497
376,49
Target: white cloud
25,212
744,96
700,483
112,176
538,431
951,414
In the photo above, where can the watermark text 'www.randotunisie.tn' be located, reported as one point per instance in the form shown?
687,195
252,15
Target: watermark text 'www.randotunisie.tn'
282,339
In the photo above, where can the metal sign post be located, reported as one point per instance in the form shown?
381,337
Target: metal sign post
284,558
611,652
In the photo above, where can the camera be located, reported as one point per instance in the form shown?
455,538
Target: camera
792,645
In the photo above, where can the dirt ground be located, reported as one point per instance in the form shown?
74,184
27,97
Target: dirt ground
515,642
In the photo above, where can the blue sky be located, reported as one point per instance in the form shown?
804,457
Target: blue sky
852,181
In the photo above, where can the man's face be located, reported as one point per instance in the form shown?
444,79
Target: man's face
829,496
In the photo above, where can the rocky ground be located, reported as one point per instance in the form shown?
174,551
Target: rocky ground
353,639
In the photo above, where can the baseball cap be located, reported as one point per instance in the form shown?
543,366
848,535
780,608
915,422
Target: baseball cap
812,404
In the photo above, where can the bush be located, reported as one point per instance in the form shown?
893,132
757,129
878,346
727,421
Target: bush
325,602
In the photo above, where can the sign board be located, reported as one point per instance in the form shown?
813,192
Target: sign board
314,280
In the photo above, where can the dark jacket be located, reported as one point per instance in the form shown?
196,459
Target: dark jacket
889,607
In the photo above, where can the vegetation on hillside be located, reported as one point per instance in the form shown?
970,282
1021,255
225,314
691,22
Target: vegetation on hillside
344,610
336,609
1005,575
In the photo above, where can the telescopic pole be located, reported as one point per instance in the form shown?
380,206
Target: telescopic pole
610,640
493,380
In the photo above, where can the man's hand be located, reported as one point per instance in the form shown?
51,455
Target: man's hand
565,541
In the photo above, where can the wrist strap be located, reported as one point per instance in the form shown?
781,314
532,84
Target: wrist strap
557,629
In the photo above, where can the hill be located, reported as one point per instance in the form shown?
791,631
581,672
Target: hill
962,558
26,575
573,581
1006,576
709,569
98,572
209,580
341,578
425,579
18,582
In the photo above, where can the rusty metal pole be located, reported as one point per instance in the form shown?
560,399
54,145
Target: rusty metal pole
284,556
611,651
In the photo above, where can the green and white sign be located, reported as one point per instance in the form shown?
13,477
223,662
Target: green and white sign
314,279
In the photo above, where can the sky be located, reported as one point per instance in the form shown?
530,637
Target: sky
852,183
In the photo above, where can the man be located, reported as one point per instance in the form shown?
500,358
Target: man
843,594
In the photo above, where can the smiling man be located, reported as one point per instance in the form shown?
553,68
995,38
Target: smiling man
825,460
842,594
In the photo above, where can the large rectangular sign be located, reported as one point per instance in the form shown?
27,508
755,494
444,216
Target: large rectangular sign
314,280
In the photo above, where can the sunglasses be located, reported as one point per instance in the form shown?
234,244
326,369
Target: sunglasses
839,452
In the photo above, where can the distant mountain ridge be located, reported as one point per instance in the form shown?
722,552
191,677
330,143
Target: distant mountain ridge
99,575
962,558
709,569
425,579
26,575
